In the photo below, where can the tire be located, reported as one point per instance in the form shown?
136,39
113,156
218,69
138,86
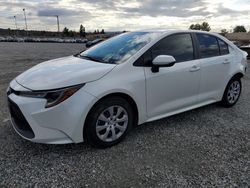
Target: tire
232,92
103,130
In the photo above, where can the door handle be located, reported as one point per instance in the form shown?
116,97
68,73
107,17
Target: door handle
226,61
194,68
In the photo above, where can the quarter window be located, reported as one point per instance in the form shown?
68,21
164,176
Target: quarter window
223,47
180,46
208,45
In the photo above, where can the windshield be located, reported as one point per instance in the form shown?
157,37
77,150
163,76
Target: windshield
120,48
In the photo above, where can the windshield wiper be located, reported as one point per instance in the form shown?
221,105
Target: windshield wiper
78,54
91,58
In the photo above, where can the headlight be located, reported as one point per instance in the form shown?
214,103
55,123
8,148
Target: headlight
53,97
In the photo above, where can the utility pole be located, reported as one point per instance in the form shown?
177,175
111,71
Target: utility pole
58,24
25,19
15,22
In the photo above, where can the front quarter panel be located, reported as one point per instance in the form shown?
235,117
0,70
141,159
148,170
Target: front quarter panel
126,79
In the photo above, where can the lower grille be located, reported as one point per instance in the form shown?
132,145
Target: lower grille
19,121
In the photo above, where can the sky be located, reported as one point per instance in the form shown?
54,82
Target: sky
120,15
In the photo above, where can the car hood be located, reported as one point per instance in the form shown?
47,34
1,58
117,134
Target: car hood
63,72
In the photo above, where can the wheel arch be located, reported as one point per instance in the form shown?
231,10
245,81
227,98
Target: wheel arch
125,96
234,75
223,101
237,75
128,98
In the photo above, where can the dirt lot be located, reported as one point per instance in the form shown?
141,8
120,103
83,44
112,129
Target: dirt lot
205,147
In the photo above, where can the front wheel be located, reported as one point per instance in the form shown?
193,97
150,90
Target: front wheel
108,122
232,92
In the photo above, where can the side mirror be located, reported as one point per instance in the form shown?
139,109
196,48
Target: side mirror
162,61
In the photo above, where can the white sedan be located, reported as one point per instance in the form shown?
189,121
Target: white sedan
100,94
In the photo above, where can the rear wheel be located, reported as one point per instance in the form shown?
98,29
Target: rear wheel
232,92
108,122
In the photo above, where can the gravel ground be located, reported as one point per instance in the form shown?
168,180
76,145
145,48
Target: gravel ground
206,147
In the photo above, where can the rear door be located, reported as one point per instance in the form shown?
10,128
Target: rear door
215,66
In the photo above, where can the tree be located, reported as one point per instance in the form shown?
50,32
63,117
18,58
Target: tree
9,31
65,31
204,26
224,31
195,27
240,29
102,31
71,33
82,31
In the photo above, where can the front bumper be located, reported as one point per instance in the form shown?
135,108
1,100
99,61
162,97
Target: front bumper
60,124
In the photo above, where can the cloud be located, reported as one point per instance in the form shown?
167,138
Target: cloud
126,14
221,10
50,11
102,4
177,8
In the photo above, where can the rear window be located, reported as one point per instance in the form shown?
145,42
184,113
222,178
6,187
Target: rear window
208,45
223,47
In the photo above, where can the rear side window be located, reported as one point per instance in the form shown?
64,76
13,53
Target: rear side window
208,45
180,46
223,47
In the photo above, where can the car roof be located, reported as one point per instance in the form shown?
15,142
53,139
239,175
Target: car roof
166,31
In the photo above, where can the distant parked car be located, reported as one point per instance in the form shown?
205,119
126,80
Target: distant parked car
20,39
81,40
130,79
2,39
246,49
236,43
94,42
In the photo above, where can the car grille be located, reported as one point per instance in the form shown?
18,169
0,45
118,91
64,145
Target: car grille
19,121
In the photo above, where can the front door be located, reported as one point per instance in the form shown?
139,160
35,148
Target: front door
172,88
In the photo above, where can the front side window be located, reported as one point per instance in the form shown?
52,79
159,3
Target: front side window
208,45
120,48
180,46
